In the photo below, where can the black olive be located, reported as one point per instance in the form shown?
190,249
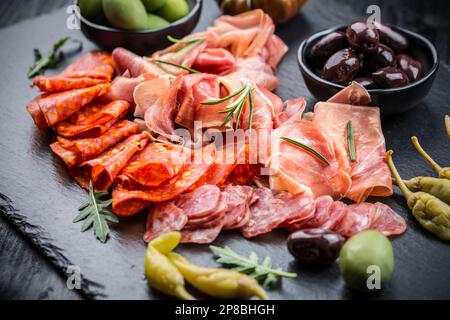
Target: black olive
382,57
328,45
315,247
341,67
393,39
390,77
362,36
366,82
410,66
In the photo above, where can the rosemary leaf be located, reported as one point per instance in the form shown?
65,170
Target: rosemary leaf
215,102
190,70
251,108
351,141
186,41
306,148
250,265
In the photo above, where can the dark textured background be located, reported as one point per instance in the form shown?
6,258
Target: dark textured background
26,274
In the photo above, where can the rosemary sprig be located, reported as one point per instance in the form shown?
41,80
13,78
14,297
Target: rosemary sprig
351,141
190,44
306,148
263,272
50,60
237,106
173,64
95,214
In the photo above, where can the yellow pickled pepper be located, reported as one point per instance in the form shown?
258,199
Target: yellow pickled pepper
220,283
160,272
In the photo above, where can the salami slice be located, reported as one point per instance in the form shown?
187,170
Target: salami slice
163,218
92,120
238,200
266,214
358,218
157,163
104,169
300,207
74,152
127,202
388,221
338,211
199,203
48,110
204,234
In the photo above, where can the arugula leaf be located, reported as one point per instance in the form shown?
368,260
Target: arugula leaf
250,265
52,59
94,214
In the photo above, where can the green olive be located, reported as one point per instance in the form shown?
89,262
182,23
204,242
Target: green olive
126,14
155,22
173,10
152,5
90,9
366,261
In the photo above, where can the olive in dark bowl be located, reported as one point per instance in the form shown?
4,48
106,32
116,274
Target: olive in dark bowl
391,101
143,42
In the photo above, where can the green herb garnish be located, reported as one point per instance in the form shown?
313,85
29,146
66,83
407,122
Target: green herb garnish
351,141
190,44
264,273
95,214
173,64
306,148
51,60
237,106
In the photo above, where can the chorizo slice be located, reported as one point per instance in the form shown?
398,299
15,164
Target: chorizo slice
64,83
129,199
104,169
48,110
74,152
93,64
157,163
92,120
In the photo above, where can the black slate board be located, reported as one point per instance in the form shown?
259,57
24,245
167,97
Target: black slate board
40,199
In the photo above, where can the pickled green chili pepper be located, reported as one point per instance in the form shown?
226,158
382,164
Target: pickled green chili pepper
442,172
161,274
220,283
447,125
432,213
440,188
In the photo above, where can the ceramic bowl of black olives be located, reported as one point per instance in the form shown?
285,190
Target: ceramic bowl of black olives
395,65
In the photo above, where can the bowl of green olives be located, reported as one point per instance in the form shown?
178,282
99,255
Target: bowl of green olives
395,65
142,26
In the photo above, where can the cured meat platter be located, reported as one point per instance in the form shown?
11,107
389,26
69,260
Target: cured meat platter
40,198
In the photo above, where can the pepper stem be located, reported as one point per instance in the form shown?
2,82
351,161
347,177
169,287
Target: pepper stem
422,152
447,125
406,192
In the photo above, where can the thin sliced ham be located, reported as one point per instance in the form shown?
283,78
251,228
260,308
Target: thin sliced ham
294,169
290,108
146,93
214,61
369,173
354,94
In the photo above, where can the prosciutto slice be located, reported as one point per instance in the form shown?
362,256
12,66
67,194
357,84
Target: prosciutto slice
295,170
289,109
369,173
214,61
128,61
146,93
76,151
103,170
47,110
92,120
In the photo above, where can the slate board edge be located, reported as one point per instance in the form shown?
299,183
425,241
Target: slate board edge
90,289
